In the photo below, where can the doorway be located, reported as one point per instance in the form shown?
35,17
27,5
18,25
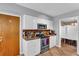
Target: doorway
69,33
9,35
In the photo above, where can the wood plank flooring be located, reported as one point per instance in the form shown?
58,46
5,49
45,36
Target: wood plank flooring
65,50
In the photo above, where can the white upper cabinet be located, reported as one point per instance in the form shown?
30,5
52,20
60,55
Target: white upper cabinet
69,32
28,22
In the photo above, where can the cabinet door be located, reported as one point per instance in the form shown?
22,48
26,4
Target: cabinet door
33,47
72,33
29,22
52,41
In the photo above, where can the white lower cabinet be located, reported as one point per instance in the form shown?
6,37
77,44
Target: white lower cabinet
52,41
32,47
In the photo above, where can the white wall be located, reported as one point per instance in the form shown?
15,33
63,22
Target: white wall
63,31
56,24
78,36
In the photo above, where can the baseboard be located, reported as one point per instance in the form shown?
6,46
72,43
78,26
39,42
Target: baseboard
21,54
37,54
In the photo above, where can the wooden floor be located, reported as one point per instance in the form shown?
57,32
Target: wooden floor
65,50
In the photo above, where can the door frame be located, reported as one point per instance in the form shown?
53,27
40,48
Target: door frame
20,29
59,33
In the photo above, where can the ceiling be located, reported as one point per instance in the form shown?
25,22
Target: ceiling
52,9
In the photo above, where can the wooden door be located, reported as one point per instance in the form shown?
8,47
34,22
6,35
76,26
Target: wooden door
9,35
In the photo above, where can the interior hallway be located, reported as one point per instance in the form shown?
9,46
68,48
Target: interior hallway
65,50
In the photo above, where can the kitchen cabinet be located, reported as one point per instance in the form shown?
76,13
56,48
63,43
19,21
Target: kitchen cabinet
52,41
32,47
29,22
69,32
